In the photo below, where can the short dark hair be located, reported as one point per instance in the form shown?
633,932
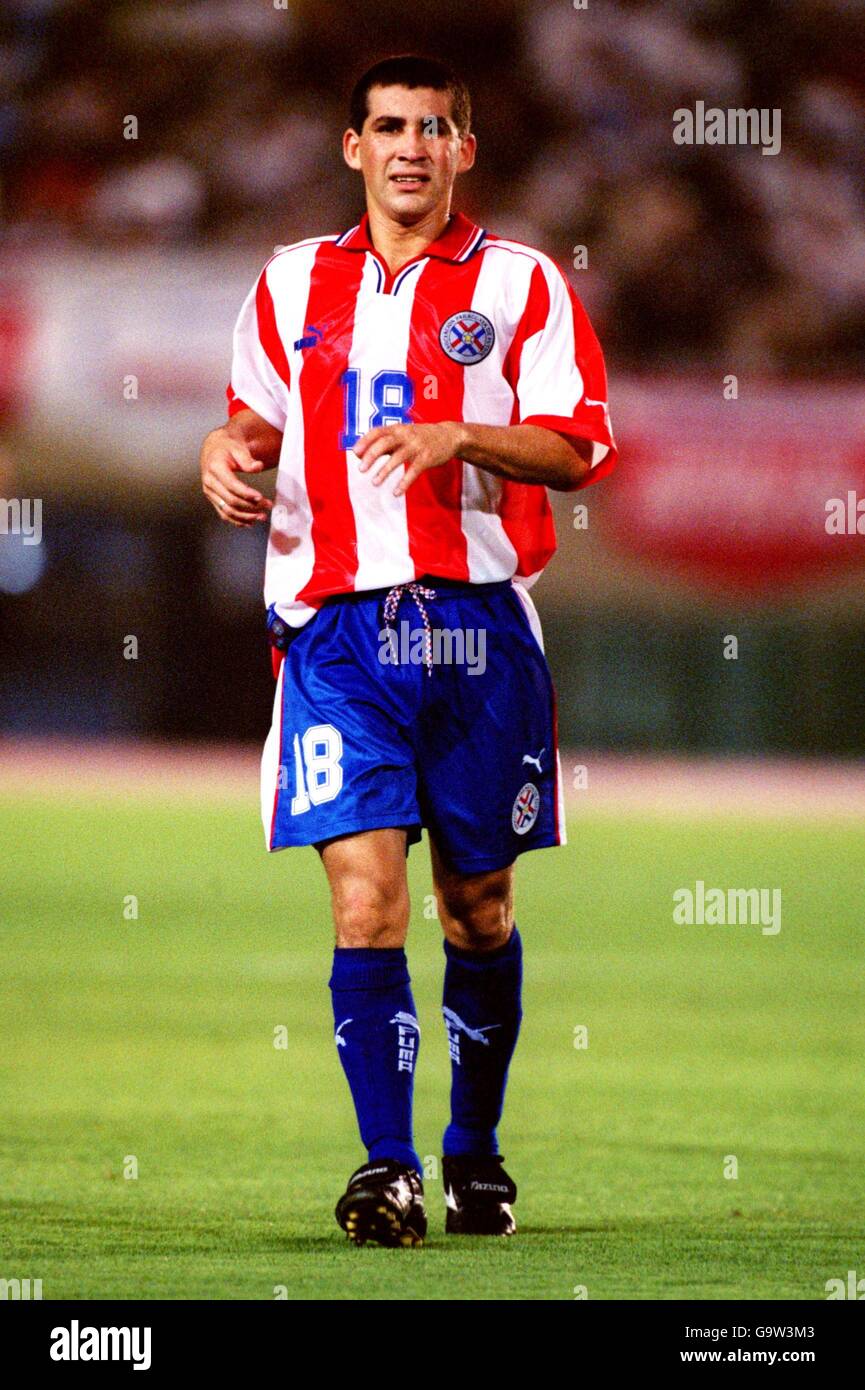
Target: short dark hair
410,70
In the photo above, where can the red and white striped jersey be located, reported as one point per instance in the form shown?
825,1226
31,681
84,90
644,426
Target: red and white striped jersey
329,344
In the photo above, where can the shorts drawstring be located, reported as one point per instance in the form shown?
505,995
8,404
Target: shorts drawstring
418,592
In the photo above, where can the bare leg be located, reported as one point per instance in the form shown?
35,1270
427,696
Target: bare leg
368,887
476,910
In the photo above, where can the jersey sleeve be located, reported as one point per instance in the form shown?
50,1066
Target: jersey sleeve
260,375
557,369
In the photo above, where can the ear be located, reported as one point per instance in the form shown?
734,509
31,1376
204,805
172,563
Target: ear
468,150
351,149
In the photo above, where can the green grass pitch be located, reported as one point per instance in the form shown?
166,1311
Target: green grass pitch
154,1038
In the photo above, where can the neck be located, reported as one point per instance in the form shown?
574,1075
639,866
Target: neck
398,244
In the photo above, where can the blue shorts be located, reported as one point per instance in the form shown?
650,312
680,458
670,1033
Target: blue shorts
444,718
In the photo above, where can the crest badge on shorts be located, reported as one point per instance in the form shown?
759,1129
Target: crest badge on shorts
525,809
467,337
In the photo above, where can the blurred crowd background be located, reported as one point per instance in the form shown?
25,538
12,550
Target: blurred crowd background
127,258
697,252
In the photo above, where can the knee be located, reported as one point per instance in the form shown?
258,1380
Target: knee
369,911
477,912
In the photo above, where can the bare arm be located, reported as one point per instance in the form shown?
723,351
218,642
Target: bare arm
525,453
246,444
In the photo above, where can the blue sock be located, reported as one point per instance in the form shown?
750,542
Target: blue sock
482,1013
377,1037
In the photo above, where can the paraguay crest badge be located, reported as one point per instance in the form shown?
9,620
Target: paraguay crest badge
525,808
467,337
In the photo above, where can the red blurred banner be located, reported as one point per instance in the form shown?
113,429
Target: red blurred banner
15,327
741,495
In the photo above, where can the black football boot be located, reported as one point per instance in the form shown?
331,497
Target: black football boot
478,1194
383,1205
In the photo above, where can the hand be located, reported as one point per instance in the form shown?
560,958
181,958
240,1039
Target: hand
222,457
414,447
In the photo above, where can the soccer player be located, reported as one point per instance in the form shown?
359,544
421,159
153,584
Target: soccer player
419,382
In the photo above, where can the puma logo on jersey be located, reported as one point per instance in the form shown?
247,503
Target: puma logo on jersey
313,338
535,762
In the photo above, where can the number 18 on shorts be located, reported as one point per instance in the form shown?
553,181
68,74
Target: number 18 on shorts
368,732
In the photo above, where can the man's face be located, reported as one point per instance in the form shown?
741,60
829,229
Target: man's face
409,152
